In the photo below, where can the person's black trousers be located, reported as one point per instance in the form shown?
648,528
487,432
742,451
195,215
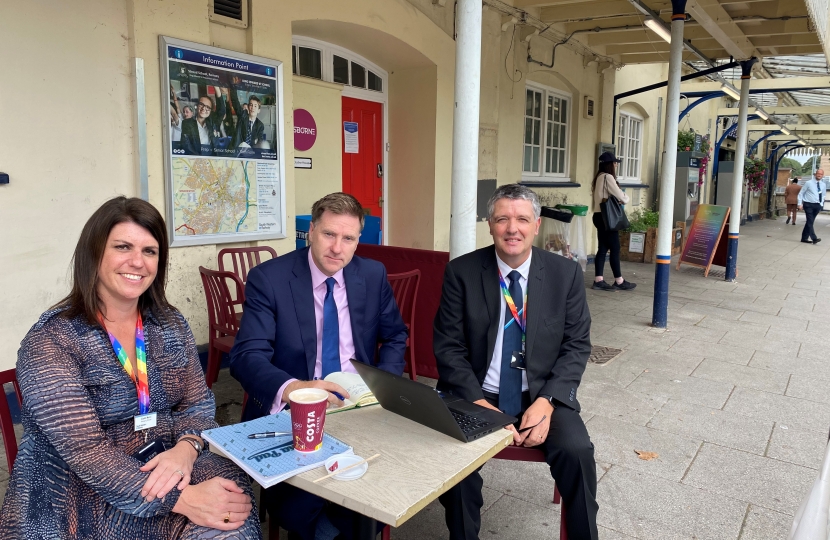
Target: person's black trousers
570,455
811,210
606,240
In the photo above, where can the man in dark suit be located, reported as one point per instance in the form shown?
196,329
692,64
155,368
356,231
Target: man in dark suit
306,315
527,364
249,128
200,132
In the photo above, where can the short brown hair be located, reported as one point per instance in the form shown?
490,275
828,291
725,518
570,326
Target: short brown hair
83,299
337,203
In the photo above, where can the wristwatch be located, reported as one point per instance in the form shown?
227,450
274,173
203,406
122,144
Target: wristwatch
547,397
194,442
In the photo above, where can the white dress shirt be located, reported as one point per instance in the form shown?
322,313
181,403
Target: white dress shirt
491,381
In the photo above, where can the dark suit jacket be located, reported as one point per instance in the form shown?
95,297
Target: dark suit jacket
277,339
243,124
191,142
558,325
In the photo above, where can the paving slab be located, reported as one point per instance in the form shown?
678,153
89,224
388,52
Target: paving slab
761,343
712,394
817,368
511,519
616,442
798,446
713,425
747,477
765,524
428,524
757,330
809,387
712,311
648,507
791,412
717,351
742,376
787,319
659,361
624,404
616,372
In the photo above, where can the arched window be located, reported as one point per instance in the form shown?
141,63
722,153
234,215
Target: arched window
320,60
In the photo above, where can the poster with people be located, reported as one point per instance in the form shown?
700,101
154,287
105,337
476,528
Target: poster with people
224,147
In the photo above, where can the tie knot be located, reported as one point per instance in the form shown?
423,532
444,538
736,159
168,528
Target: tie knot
330,284
514,276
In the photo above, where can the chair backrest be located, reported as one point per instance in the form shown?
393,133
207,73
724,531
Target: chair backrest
220,303
243,259
6,423
405,290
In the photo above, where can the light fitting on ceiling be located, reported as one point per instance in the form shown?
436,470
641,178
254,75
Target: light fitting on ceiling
659,28
762,114
729,90
785,131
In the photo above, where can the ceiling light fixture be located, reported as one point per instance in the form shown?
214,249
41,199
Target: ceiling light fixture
729,90
659,28
762,114
785,131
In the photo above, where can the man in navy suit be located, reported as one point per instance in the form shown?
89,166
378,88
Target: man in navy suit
306,315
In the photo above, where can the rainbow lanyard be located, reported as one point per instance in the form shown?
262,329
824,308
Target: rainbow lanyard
522,323
141,384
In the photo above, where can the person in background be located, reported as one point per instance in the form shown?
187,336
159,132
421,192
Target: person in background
107,370
791,200
811,200
200,133
604,185
249,129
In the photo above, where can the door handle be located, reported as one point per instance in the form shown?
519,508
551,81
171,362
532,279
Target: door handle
380,170
380,202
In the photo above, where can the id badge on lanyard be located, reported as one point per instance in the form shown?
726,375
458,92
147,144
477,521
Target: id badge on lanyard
517,360
145,419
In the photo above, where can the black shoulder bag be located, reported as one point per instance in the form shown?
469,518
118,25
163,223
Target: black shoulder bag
613,215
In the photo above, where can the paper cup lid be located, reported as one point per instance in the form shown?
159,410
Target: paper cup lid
341,461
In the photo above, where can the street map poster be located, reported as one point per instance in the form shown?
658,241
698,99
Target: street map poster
223,144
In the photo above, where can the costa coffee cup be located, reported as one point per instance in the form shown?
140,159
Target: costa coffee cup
308,415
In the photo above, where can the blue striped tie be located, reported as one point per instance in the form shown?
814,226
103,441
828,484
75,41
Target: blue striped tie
510,379
331,332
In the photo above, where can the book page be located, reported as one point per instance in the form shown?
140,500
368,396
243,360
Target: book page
352,383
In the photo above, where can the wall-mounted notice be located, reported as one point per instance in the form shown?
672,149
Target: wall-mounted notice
302,162
706,243
223,150
351,145
636,242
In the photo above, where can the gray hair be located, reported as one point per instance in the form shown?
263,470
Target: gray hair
514,192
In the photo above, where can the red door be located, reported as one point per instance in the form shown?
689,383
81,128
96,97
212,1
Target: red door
363,171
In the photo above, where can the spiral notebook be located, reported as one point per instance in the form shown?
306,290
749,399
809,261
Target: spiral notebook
269,461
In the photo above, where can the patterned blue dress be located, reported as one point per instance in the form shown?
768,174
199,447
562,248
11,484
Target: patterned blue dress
74,476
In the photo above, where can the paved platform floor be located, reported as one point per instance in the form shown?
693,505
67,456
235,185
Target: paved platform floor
732,397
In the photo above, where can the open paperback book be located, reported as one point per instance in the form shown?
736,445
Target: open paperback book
359,393
272,460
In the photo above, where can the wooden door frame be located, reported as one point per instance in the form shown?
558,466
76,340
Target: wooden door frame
367,95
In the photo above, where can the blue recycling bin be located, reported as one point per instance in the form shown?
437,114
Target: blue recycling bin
371,230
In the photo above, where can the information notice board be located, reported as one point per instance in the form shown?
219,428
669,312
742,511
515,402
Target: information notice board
706,243
223,144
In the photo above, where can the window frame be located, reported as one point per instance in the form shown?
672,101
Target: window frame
542,176
623,150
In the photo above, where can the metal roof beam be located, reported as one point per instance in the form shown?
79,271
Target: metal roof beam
763,85
715,20
778,110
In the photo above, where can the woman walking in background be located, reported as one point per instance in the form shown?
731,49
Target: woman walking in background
605,185
791,200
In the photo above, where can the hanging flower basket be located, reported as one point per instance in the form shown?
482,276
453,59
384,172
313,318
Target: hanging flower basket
755,174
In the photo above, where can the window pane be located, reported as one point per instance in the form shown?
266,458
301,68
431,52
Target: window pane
562,136
375,82
535,163
529,103
557,115
548,157
526,166
564,111
548,134
561,161
554,139
341,70
294,59
537,105
537,128
528,131
555,165
358,75
310,63
550,108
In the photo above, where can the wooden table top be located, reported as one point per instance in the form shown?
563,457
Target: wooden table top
416,464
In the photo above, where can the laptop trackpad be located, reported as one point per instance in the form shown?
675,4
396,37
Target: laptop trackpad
465,407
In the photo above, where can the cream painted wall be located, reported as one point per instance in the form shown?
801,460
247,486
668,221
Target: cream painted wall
411,194
324,101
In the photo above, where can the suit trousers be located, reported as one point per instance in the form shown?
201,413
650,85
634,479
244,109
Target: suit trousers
570,455
811,210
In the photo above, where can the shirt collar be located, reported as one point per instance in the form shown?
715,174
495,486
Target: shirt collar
319,278
523,269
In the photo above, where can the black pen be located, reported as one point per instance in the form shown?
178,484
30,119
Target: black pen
533,426
268,434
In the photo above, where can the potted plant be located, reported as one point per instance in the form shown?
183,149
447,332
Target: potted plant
641,235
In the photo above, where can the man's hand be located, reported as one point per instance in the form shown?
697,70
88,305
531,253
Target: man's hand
533,416
517,439
329,387
800,207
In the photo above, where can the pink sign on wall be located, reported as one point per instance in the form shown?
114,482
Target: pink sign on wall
305,130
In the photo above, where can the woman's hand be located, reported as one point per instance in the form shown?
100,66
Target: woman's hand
170,469
208,504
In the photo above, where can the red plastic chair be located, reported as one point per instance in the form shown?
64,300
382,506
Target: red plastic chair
534,455
242,260
6,424
222,319
405,289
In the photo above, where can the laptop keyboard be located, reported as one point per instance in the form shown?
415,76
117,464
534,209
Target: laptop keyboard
468,423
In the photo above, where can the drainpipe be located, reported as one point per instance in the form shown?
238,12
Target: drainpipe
465,128
664,226
737,187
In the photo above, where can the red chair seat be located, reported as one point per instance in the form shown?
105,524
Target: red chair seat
223,323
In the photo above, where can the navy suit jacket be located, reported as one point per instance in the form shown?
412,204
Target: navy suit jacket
277,339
